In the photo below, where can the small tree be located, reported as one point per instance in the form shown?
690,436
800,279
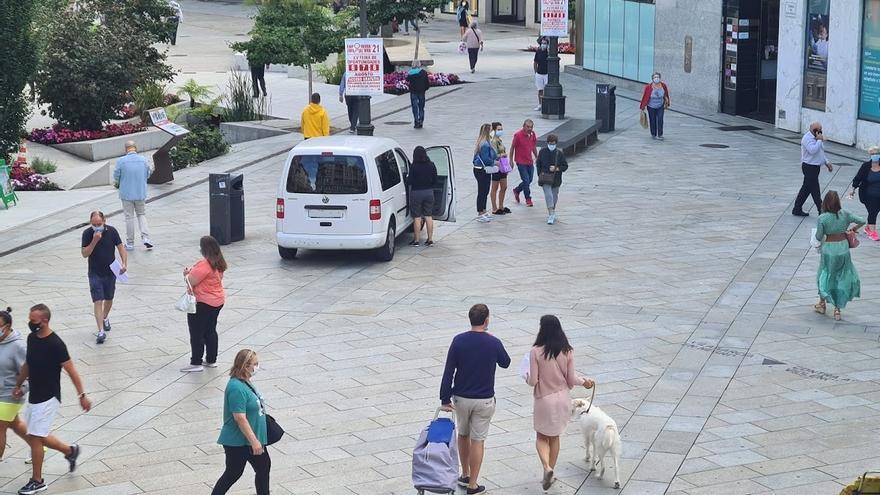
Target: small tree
98,52
301,33
16,68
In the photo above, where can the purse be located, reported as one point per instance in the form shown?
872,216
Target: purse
489,169
852,238
187,302
643,119
274,431
504,165
547,178
462,48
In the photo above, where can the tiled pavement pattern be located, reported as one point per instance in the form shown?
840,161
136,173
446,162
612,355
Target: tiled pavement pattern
681,279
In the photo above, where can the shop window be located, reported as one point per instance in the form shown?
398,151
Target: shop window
816,63
451,7
869,94
619,38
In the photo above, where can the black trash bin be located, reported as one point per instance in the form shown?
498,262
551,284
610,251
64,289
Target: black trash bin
606,106
226,207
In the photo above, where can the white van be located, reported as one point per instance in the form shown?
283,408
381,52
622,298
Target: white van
349,192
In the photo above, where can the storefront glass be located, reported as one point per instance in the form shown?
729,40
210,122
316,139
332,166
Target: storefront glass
619,38
451,7
816,64
869,96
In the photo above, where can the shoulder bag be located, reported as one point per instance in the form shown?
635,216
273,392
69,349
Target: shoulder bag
274,431
548,178
489,169
187,302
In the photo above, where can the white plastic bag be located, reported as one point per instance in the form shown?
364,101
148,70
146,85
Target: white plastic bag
187,302
525,366
813,242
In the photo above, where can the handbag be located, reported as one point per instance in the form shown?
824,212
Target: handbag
643,119
489,169
548,178
504,165
187,302
462,47
852,239
274,431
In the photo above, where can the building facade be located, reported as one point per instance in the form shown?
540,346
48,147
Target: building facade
770,60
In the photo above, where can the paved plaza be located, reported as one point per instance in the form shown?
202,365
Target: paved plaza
681,278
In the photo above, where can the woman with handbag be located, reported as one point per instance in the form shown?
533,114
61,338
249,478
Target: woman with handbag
550,165
485,165
499,179
655,99
463,14
244,435
867,181
837,279
473,42
205,279
552,374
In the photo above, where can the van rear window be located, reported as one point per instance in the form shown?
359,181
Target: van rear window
319,174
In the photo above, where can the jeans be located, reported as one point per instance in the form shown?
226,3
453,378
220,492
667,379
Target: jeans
472,56
352,103
810,187
258,78
417,100
174,23
527,175
134,209
203,333
484,182
551,196
872,203
655,118
414,23
236,458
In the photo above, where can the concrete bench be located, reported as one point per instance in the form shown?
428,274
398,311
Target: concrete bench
575,135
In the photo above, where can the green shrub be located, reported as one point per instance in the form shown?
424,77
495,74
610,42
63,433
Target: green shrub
202,143
43,166
195,91
332,74
148,96
241,106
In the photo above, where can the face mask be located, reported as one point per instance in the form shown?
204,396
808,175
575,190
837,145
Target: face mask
875,158
98,228
551,147
544,47
256,369
499,133
656,79
35,327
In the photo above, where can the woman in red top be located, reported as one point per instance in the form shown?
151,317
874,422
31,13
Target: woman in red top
655,98
206,279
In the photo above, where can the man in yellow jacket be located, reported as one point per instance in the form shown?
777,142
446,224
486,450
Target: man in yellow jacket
314,121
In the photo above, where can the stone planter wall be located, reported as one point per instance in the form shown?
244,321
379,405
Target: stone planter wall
103,149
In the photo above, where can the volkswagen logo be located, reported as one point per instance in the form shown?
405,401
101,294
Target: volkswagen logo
325,200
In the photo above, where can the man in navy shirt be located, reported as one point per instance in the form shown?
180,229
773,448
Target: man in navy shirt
468,386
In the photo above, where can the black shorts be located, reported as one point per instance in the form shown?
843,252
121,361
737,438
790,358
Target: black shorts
463,22
497,177
421,203
102,287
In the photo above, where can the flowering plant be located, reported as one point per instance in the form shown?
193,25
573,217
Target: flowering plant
564,47
396,83
58,134
26,179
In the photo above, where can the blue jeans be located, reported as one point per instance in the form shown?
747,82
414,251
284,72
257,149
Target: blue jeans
527,175
655,118
417,100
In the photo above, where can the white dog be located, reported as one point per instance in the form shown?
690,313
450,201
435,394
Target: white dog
600,436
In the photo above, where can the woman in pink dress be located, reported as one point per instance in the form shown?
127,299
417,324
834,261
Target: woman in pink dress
552,373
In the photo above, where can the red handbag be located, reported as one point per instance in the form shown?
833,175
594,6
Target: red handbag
852,239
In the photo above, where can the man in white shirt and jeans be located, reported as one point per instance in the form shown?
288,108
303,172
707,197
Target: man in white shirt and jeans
812,159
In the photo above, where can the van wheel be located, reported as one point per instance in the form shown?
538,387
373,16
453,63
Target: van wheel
386,252
286,253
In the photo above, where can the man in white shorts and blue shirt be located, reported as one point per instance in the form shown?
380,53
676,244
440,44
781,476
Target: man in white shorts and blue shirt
540,66
46,357
468,387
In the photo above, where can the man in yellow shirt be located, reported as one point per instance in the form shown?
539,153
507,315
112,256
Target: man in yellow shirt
314,121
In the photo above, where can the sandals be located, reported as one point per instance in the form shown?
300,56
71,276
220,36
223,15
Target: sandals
836,314
820,307
429,243
548,480
413,243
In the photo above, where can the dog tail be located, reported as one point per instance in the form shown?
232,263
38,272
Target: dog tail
608,437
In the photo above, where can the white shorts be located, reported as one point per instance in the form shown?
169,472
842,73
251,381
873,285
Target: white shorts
39,417
540,81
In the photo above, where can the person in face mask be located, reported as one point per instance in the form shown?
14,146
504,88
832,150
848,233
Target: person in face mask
244,433
867,181
655,98
540,66
550,165
499,179
12,357
205,278
462,14
99,241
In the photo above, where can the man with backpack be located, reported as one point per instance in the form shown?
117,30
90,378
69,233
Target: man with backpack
468,387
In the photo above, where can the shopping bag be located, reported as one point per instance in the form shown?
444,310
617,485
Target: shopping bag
643,119
186,302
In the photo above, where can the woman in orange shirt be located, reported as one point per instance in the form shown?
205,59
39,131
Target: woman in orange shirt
206,279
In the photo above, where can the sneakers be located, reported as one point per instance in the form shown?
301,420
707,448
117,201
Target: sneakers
872,234
129,246
74,455
516,196
537,108
529,202
485,218
551,219
100,337
192,368
33,486
210,365
148,244
107,324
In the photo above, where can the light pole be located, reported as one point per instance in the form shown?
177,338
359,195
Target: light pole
364,127
553,102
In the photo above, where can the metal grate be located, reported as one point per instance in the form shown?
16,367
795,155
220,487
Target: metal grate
715,146
738,128
397,122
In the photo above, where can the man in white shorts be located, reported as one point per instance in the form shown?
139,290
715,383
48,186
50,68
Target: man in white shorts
46,357
540,66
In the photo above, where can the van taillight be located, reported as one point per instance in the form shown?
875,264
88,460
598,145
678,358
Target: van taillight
279,208
375,209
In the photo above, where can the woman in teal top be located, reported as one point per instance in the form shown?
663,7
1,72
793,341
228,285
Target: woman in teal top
243,435
837,279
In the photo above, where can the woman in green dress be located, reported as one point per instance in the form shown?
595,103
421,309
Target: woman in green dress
837,279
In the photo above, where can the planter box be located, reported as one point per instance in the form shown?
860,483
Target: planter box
102,149
240,132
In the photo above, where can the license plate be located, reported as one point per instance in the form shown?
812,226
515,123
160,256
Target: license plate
325,213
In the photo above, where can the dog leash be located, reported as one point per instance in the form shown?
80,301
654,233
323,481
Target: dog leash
592,396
